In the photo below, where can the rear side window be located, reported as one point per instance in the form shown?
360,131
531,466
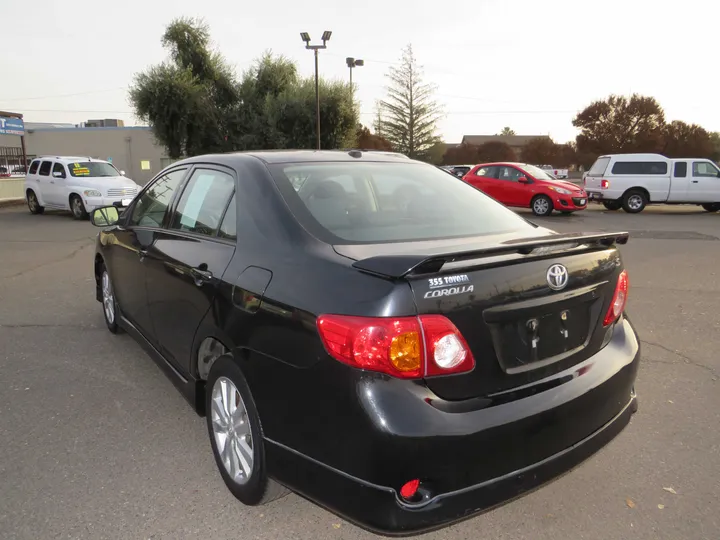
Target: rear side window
228,227
680,169
203,202
487,172
640,167
598,168
34,167
45,168
392,202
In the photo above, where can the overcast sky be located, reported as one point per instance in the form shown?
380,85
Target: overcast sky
527,64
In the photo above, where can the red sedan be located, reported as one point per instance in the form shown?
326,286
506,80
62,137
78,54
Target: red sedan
527,186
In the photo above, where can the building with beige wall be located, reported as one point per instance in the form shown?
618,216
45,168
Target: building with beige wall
131,149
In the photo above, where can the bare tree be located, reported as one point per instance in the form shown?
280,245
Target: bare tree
409,115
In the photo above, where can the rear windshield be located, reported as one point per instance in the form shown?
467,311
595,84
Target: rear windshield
598,168
92,169
388,202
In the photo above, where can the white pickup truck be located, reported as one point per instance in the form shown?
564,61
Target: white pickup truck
632,181
557,173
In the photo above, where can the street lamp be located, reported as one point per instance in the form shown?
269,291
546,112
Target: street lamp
353,62
325,38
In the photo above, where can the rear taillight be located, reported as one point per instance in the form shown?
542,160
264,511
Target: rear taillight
406,347
619,299
604,184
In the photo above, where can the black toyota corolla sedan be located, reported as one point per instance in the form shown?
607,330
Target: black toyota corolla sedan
370,332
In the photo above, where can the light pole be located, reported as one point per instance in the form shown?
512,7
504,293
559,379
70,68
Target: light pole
315,48
353,62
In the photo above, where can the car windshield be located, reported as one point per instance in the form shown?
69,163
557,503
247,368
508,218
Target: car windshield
388,202
93,169
538,173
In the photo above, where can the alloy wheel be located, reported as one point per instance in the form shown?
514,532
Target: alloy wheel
231,430
108,298
77,207
32,202
540,206
635,202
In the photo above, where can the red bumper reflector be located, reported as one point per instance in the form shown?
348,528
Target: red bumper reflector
409,490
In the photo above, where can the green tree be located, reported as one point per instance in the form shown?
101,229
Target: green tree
619,125
507,131
370,141
686,140
495,151
540,151
409,115
461,154
195,104
189,100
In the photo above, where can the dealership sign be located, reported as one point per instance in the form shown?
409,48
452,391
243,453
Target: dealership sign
11,126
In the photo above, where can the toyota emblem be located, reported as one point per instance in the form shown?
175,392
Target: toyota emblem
557,277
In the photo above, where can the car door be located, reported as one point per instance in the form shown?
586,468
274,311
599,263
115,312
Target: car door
58,179
484,178
136,233
679,182
510,191
704,185
188,258
46,183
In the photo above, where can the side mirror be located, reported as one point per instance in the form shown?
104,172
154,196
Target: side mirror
58,174
122,173
523,180
105,216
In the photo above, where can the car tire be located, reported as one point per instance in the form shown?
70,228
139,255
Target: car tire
77,208
612,205
241,461
634,201
711,207
541,205
109,302
33,203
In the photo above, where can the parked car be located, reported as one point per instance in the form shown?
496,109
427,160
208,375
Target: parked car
362,337
557,173
457,170
526,186
78,184
632,181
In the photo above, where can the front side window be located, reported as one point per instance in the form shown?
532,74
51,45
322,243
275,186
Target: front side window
203,202
509,174
34,167
92,169
393,202
705,168
58,168
45,168
151,206
640,167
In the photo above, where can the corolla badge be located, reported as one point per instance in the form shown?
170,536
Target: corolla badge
557,277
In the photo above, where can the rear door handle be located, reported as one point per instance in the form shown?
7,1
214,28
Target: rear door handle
694,181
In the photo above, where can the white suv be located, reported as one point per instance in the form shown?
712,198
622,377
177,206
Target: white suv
78,184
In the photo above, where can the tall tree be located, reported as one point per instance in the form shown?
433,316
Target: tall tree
507,131
540,151
495,151
619,124
686,140
462,154
189,100
409,113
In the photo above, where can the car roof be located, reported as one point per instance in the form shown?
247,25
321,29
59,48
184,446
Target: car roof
70,159
503,164
300,156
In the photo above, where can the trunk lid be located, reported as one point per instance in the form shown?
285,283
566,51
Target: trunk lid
498,293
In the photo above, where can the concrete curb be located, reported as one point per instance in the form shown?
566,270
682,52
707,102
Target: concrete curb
4,203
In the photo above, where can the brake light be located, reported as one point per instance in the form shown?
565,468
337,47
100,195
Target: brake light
405,347
619,299
604,184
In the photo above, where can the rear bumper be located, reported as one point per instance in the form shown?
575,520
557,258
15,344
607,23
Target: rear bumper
469,455
380,510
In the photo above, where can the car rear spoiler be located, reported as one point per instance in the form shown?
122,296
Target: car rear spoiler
398,266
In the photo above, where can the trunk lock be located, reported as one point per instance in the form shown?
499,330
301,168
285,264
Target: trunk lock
563,320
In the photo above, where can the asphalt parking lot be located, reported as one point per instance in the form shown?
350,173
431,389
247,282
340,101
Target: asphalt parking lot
96,443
